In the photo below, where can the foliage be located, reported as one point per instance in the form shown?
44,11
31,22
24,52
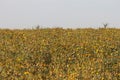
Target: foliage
60,54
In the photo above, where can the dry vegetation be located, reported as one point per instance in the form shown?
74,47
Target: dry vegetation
60,54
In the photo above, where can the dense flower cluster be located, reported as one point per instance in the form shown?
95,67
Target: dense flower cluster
60,54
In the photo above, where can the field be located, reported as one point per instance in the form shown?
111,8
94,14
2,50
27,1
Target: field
60,54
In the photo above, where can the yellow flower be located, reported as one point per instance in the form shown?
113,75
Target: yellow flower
97,51
102,79
18,59
26,72
69,58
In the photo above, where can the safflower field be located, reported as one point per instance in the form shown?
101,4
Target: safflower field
60,54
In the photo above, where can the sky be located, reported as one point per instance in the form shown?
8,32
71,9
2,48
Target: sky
59,13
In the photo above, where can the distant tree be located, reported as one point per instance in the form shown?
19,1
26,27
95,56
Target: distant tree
105,25
38,27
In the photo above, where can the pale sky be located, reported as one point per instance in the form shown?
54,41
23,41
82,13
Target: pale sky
59,13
